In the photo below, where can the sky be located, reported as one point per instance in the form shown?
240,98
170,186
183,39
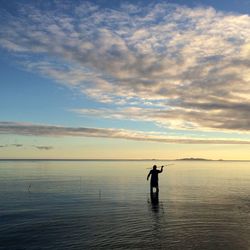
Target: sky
125,79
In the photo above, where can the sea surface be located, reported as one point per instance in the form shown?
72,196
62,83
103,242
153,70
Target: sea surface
107,205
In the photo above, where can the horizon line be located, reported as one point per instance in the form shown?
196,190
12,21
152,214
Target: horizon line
121,159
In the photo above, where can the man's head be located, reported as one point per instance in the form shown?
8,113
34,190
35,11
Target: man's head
154,167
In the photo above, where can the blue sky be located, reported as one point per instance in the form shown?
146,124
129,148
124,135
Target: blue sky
107,72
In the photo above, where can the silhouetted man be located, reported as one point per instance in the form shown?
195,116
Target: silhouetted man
154,178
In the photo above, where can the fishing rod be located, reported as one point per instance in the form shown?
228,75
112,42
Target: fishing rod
168,164
164,165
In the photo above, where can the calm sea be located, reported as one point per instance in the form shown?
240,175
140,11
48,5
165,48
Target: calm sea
107,205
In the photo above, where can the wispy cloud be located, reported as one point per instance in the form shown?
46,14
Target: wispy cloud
17,145
44,147
193,61
27,129
21,145
11,145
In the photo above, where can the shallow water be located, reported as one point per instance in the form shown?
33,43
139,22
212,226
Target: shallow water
107,205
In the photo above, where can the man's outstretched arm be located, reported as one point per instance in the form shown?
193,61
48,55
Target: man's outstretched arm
148,175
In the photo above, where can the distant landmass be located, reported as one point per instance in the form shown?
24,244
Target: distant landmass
194,159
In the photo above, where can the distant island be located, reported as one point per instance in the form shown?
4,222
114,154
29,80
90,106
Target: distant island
194,159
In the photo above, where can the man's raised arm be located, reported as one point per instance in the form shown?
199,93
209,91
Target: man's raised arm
161,169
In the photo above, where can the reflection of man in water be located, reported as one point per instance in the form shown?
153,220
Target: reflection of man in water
154,178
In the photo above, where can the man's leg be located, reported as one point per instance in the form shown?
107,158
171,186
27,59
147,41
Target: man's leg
151,189
157,189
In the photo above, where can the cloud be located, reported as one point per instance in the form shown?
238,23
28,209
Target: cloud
194,62
17,145
11,145
207,118
20,145
44,147
29,129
